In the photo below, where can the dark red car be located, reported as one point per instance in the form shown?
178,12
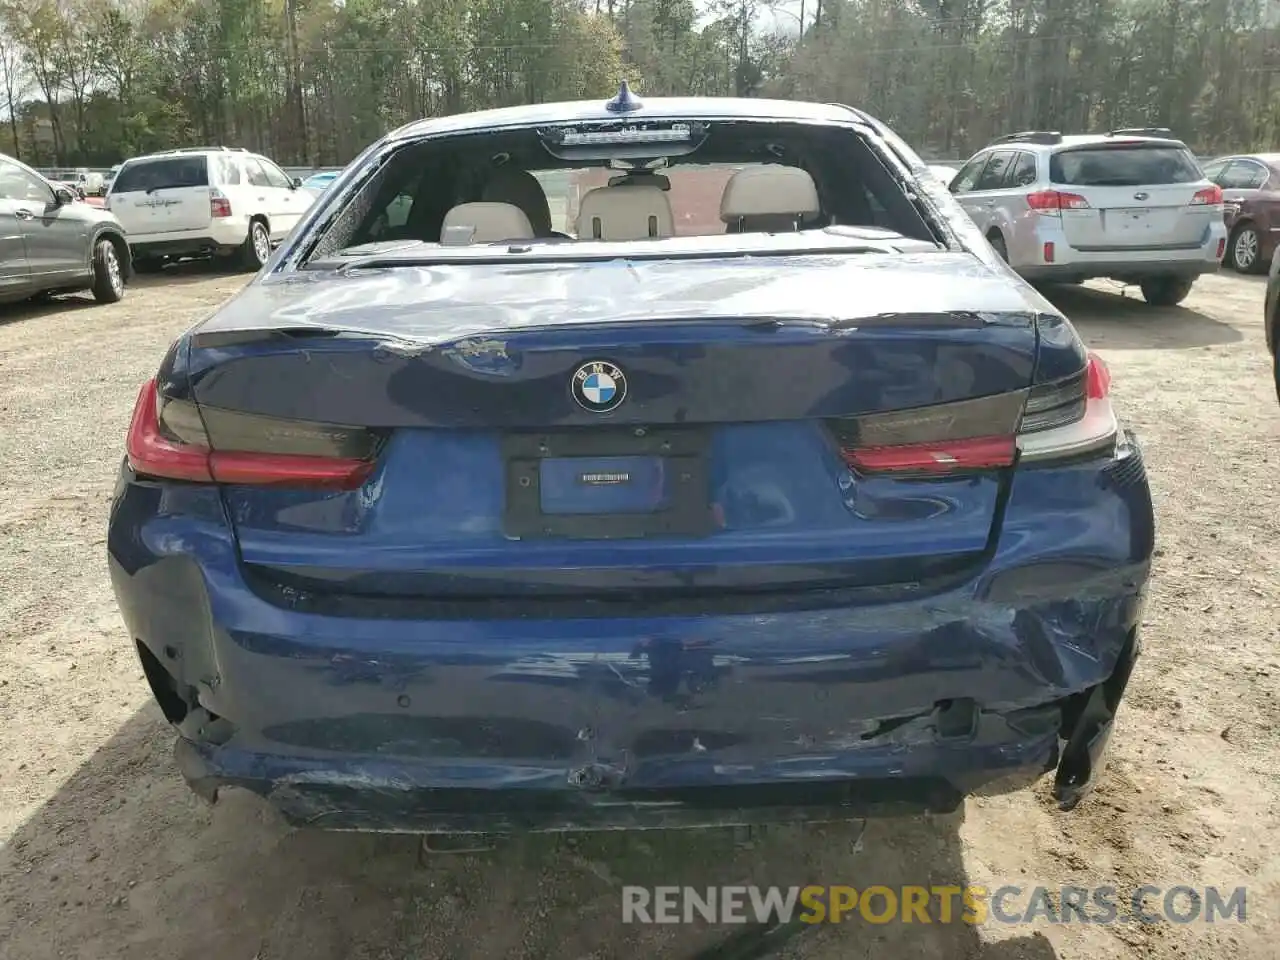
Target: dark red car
1271,319
1251,207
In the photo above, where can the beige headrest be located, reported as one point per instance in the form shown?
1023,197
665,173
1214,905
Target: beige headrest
625,213
521,188
769,190
485,223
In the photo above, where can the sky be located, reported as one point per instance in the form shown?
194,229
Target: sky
785,18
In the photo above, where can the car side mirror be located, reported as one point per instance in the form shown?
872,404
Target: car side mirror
297,182
63,195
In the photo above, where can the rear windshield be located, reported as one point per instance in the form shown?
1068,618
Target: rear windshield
732,178
162,173
1124,166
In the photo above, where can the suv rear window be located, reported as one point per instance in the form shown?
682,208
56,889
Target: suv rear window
161,173
1129,166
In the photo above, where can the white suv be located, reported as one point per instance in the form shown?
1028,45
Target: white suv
201,201
1132,205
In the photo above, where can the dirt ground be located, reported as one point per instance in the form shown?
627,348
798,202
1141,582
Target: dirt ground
104,854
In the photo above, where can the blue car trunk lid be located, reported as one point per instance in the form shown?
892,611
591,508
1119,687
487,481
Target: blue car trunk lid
567,434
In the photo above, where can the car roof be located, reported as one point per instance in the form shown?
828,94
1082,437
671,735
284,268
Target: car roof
652,108
1074,140
1270,159
193,152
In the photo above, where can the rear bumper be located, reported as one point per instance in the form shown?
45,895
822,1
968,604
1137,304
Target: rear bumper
220,236
1027,256
612,722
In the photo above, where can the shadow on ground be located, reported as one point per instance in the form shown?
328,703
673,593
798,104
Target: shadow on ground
189,271
1119,319
124,862
174,275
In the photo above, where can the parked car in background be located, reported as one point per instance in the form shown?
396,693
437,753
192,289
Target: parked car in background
74,188
317,183
205,201
1251,207
1271,317
945,172
108,177
1132,205
480,523
85,180
51,243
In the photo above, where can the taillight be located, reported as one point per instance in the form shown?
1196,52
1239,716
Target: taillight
1064,418
219,205
1209,196
944,438
1053,202
170,439
1069,417
943,456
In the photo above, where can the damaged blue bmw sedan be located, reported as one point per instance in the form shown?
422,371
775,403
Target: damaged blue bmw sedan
632,464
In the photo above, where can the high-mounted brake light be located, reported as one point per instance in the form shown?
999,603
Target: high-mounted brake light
1053,202
171,454
1209,196
677,133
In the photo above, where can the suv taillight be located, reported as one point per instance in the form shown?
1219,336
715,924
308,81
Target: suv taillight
1209,196
219,205
1053,202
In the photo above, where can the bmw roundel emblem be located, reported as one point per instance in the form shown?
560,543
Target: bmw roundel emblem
599,386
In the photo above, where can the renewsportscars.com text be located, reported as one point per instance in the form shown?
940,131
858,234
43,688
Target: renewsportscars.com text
934,904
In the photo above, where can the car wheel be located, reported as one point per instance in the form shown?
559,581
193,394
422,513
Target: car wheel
1276,371
257,246
108,274
998,245
1165,291
1244,252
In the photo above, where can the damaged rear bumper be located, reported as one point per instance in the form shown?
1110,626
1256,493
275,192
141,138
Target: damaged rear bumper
875,708
998,754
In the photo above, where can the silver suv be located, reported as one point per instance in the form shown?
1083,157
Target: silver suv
1132,205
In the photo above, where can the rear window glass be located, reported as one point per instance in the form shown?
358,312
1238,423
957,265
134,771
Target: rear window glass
159,174
229,171
785,177
1124,166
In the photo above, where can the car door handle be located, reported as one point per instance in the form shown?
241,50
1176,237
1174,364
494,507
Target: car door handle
24,214
988,203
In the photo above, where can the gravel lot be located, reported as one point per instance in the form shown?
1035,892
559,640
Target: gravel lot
104,854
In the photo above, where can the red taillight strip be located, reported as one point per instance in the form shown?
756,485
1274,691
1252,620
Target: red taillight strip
944,456
1097,378
290,470
152,454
